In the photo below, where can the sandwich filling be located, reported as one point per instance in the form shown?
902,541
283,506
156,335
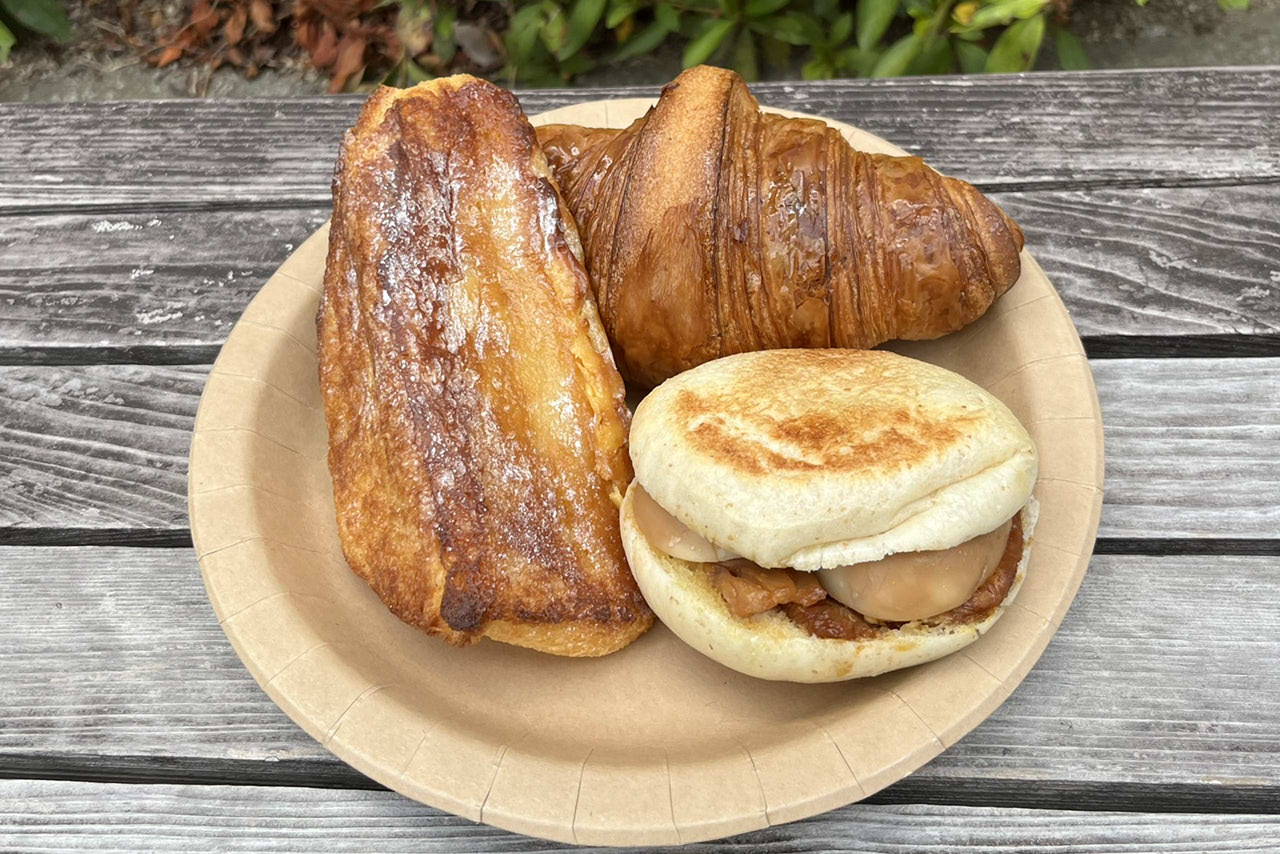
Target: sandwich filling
857,602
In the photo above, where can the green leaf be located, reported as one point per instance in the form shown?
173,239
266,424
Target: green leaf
841,27
444,23
760,8
415,72
1071,55
620,10
857,60
666,14
920,8
874,17
818,69
1234,5
1002,12
700,49
1017,46
443,44
522,34
641,43
791,27
972,58
582,23
744,56
894,61
43,16
934,59
1141,2
7,41
826,9
555,30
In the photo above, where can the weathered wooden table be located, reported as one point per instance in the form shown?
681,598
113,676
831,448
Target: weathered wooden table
132,235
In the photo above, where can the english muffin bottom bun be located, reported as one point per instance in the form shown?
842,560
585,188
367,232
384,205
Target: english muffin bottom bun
819,515
769,645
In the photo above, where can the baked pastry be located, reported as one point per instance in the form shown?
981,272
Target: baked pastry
713,228
819,515
477,424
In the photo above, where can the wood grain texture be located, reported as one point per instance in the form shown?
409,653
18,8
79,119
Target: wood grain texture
163,286
1190,448
1162,674
1041,130
169,818
69,816
76,816
96,447
120,282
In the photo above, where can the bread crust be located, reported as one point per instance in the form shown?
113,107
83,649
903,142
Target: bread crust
477,424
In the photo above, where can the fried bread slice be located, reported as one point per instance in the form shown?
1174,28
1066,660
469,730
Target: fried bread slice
477,424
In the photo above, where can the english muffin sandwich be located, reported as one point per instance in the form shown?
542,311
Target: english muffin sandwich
819,515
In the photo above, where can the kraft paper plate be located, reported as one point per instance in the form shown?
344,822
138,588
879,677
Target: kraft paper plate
652,745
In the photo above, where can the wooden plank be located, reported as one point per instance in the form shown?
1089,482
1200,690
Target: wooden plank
167,286
159,279
96,447
1162,674
51,816
1043,130
1190,449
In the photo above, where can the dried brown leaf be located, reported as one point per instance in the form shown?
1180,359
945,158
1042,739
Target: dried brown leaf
307,34
204,20
233,29
350,61
264,18
325,52
168,55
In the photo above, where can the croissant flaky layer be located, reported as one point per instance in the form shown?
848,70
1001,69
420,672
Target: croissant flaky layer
713,228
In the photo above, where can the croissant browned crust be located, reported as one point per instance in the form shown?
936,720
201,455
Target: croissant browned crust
712,228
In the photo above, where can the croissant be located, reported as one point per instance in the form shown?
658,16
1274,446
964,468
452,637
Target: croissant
713,228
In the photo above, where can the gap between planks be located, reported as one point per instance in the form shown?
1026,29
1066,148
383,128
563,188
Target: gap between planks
1215,346
180,538
1081,795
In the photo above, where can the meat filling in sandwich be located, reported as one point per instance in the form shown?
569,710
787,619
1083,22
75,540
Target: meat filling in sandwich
962,584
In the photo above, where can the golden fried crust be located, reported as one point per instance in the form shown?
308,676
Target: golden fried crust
712,228
761,426
477,425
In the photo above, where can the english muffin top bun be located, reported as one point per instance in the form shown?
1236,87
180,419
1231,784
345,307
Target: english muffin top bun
816,515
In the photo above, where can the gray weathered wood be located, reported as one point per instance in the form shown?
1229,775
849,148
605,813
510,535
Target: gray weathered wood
97,446
48,816
1100,128
77,281
1162,673
1127,262
1190,447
